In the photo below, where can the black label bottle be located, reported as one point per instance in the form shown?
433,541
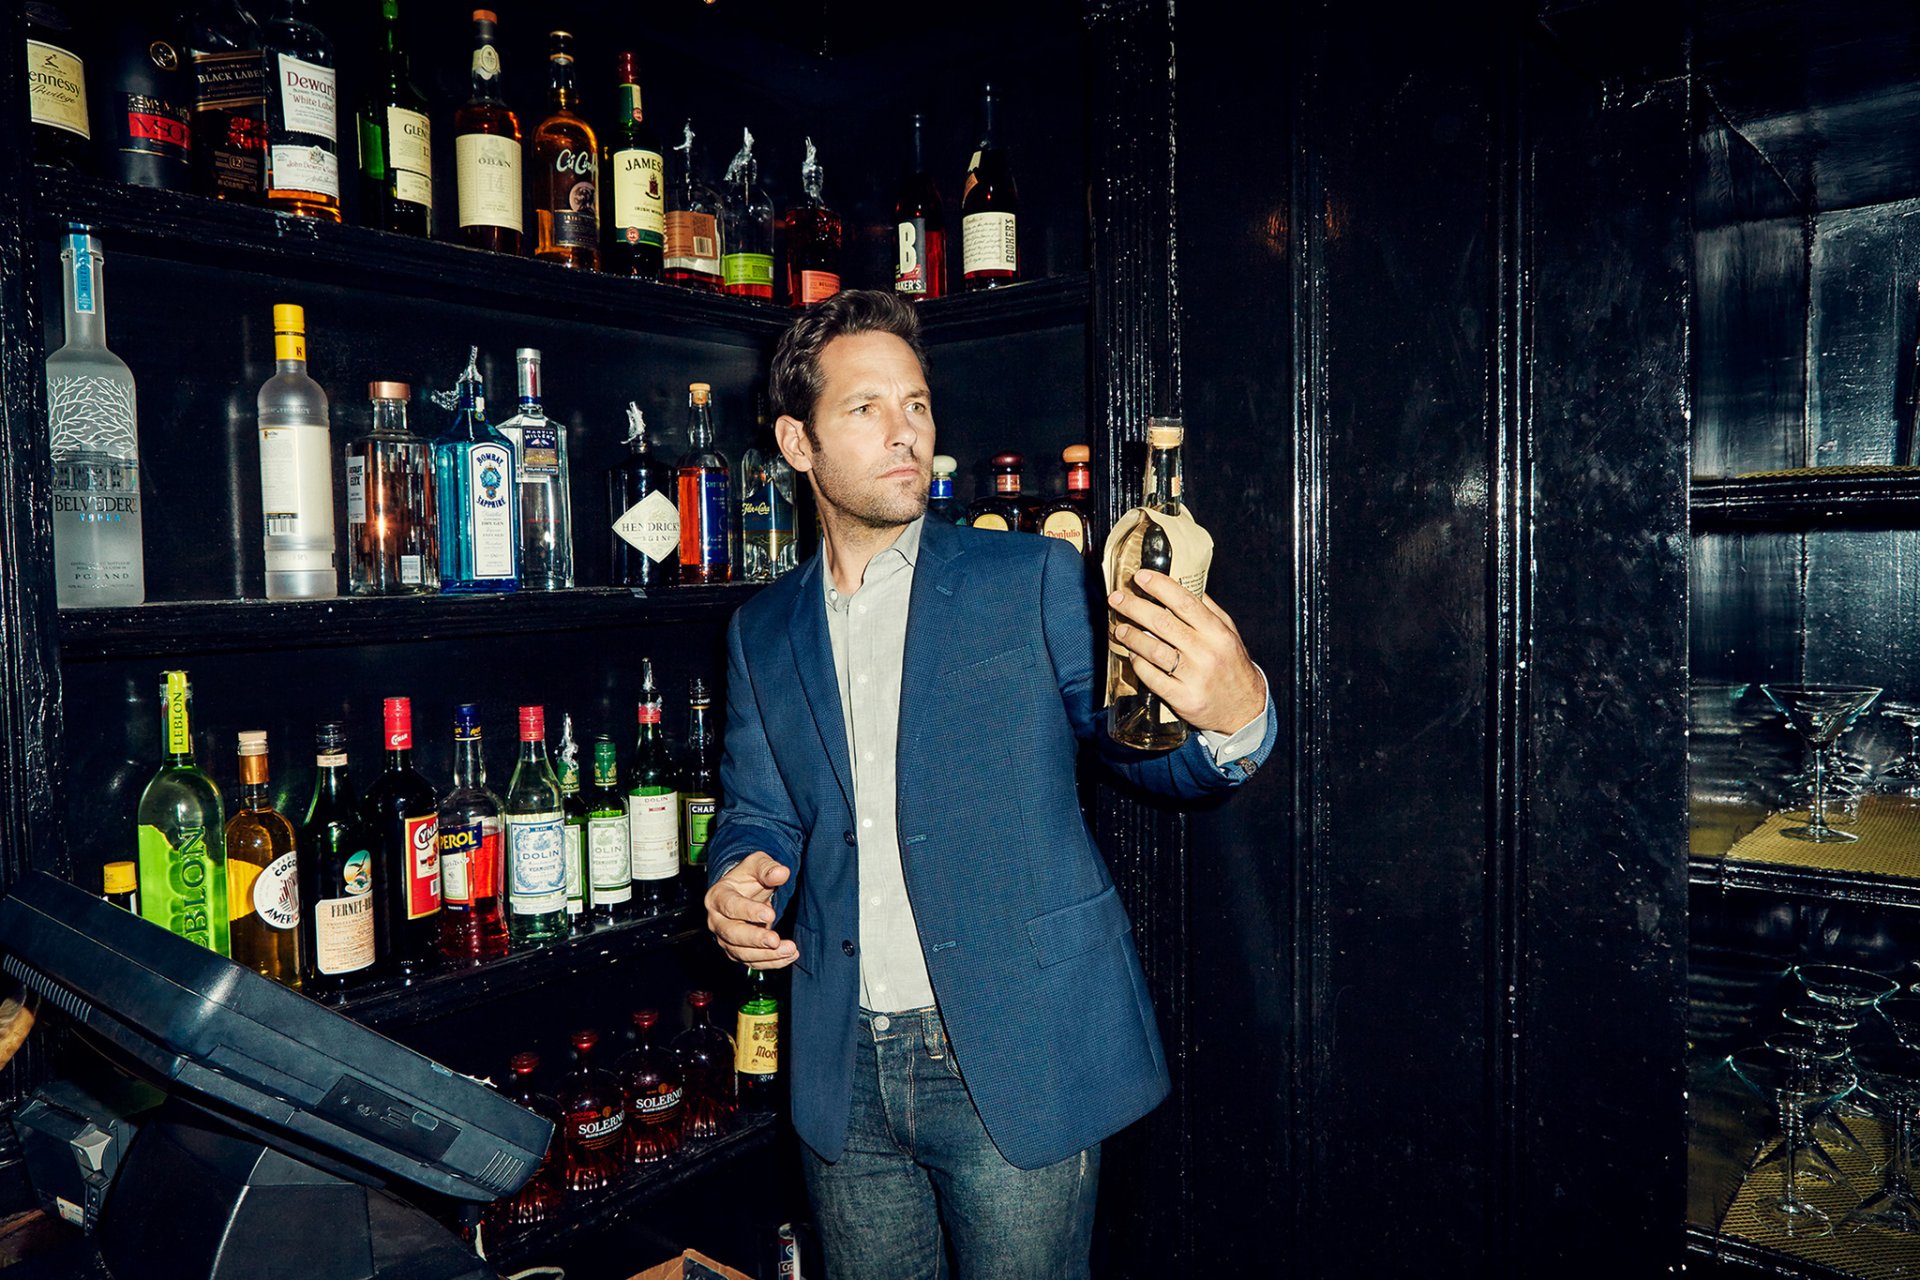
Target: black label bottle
337,882
396,140
303,118
229,103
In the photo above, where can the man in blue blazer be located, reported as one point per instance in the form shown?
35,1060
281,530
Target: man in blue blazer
969,1018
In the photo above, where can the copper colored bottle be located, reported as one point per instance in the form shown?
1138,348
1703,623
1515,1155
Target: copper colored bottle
651,1079
540,1197
706,1065
594,1121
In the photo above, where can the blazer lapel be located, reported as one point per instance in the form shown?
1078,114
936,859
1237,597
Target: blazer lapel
813,657
934,617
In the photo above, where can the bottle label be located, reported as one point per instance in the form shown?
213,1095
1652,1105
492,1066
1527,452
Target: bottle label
597,1130
487,176
572,202
910,266
942,488
489,468
410,570
155,128
56,88
303,168
651,526
757,1044
228,80
181,888
990,520
609,864
307,93
536,863
343,933
470,862
539,450
276,893
746,269
700,814
410,156
658,1107
574,837
693,243
486,62
704,539
653,834
423,865
639,197
764,511
1067,526
989,244
296,483
816,286
356,489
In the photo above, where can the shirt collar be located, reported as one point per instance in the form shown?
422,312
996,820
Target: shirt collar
903,553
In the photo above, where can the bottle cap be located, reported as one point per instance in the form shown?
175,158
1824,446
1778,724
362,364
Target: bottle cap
330,737
525,1064
123,877
396,717
1165,433
1007,460
484,15
700,391
699,999
944,465
1076,455
645,1019
252,742
624,64
389,391
585,1038
289,317
533,724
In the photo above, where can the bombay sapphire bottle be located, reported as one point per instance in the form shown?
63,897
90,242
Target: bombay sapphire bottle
479,501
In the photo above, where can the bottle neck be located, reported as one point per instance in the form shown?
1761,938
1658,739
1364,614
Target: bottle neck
986,123
1163,466
485,77
533,751
390,417
1007,481
919,148
697,727
1080,479
176,734
469,763
330,778
400,760
86,306
700,427
631,113
527,371
561,93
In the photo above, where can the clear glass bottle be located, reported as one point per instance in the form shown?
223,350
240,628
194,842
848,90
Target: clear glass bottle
650,1077
593,1137
609,861
97,543
337,874
566,177
403,818
487,152
396,139
182,831
989,209
757,1045
1135,716
476,495
545,484
296,470
303,119
567,768
706,497
767,545
539,1199
941,504
746,239
693,232
229,103
699,788
920,229
813,235
636,217
536,841
473,925
646,514
263,881
392,528
706,1055
653,806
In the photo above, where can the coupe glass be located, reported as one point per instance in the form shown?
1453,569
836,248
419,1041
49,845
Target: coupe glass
1819,713
1903,772
1893,1074
1786,1071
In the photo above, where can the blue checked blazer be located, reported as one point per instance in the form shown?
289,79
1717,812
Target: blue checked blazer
1030,952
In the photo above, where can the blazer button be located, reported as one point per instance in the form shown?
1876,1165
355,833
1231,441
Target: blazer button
848,836
847,947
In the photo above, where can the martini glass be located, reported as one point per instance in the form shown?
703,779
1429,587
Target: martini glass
1904,771
1819,713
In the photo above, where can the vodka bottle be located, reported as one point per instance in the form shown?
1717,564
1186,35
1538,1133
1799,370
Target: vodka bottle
546,485
296,469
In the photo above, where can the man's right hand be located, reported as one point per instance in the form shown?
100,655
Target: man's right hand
740,913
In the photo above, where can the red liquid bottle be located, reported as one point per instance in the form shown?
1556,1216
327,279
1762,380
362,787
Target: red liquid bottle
473,923
651,1079
593,1132
706,1064
540,1197
920,230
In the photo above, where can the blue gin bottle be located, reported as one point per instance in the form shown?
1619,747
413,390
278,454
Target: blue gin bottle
479,499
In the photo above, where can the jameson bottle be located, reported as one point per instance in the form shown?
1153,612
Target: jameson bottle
609,862
646,514
757,1045
706,497
473,925
593,1135
566,160
337,874
746,249
403,818
692,250
229,103
98,557
476,495
989,209
183,858
56,86
303,119
263,882
699,787
567,767
296,469
396,139
536,841
637,216
650,1076
545,483
486,152
653,807
1136,717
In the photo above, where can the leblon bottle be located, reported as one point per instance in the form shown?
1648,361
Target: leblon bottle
476,495
746,243
594,1120
473,925
706,1055
539,1198
651,1078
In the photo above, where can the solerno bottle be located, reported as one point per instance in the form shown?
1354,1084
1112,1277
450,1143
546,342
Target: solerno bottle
636,216
920,229
303,119
337,874
653,806
539,1198
473,924
183,859
263,881
706,1055
1136,717
566,164
403,817
989,209
593,1134
650,1075
396,139
486,152
536,840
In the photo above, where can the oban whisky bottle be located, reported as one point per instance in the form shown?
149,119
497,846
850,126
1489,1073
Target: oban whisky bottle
396,139
566,160
486,152
303,122
183,859
989,209
1135,716
636,217
263,882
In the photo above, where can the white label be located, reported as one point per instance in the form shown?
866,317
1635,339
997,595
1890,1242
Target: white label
410,570
296,482
487,176
276,893
454,882
70,1211
639,192
576,869
311,169
410,156
307,98
490,480
56,88
609,864
652,526
356,490
653,835
988,242
343,934
536,863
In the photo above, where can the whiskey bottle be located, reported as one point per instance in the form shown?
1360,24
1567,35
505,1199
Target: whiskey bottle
229,103
593,1134
646,514
941,504
296,469
636,232
473,925
707,1057
476,495
536,841
692,249
539,1198
813,237
705,497
566,158
263,881
767,547
757,1046
989,210
920,229
182,832
699,788
337,874
566,766
98,556
1004,508
144,121
391,524
57,87
403,820
1072,517
608,859
396,139
746,236
303,126
1135,716
486,147
545,483
650,1078
653,807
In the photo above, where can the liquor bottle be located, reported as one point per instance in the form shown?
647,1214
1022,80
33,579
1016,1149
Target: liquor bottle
473,925
98,556
338,886
574,833
1135,716
183,852
536,841
1072,517
120,885
486,152
646,514
475,493
706,1055
403,819
566,160
229,103
593,1134
765,488
396,140
637,221
653,806
57,87
144,100
263,880
391,525
941,504
746,241
705,492
546,484
303,124
609,861
813,235
1003,508
989,210
650,1078
699,788
757,1045
296,469
920,229
539,1198
694,209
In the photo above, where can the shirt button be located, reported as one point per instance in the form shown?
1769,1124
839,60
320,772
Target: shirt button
846,945
866,822
863,678
873,902
849,837
870,758
863,608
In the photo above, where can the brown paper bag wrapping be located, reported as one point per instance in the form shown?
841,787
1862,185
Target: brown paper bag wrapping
1192,558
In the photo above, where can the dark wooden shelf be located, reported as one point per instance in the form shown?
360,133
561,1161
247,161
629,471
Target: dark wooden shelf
583,1215
1762,1260
1848,498
1803,882
239,626
1053,303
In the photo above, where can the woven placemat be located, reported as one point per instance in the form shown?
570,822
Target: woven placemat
1889,843
1851,469
1870,1252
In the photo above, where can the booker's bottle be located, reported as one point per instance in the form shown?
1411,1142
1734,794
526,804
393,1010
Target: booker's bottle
183,855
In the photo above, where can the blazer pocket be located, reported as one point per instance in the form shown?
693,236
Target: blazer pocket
1077,929
1010,660
806,947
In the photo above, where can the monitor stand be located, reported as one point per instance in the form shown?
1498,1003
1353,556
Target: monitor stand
196,1200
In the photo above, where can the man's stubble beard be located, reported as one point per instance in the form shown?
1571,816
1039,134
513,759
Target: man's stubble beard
869,510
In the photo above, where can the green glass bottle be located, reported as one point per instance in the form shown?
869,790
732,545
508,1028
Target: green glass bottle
339,893
536,841
757,1045
183,851
609,863
579,889
699,787
396,139
653,807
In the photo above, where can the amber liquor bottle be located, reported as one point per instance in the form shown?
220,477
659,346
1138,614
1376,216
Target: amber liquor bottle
303,119
650,1075
486,151
57,86
637,216
1072,517
1003,508
594,1118
813,236
263,885
539,1199
989,210
566,159
706,1055
145,96
920,229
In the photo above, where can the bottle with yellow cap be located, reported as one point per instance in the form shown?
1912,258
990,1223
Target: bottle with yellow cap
296,469
120,885
183,855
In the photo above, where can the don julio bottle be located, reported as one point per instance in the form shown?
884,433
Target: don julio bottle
183,858
486,148
263,882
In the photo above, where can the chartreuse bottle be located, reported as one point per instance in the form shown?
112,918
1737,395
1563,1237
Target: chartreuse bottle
183,856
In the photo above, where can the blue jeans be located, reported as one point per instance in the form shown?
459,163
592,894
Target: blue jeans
920,1173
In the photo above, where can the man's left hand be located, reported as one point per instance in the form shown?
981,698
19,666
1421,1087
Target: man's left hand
1187,651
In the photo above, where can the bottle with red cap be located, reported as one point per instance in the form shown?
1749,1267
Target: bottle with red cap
538,1200
594,1119
650,1076
536,841
706,1064
402,815
1003,508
